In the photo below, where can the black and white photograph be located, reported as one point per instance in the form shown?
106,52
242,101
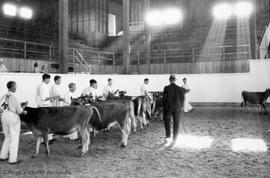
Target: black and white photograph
135,88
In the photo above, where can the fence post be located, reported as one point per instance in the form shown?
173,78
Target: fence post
25,48
138,57
165,57
73,55
98,57
114,62
50,52
223,54
193,55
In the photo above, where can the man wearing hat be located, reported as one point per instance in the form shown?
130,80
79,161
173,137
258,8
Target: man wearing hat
173,99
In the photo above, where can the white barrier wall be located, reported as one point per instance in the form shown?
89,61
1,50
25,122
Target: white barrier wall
205,87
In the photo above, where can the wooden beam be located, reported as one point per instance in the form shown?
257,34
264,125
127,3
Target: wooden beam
147,35
63,35
126,50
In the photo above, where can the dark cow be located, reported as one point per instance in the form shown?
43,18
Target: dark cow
256,98
157,105
60,121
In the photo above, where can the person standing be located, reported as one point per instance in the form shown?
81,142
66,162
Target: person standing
144,89
173,99
108,89
187,106
36,68
55,91
92,90
67,102
3,68
11,125
43,97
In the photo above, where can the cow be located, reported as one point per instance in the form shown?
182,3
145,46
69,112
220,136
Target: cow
157,105
86,100
110,113
255,98
59,121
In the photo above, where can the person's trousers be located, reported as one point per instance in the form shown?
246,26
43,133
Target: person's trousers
11,126
187,106
176,121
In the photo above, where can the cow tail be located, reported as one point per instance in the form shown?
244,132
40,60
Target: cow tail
98,113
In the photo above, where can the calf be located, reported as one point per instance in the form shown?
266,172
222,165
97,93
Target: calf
60,121
255,98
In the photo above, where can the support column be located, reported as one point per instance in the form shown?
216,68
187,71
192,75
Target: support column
63,35
147,36
126,50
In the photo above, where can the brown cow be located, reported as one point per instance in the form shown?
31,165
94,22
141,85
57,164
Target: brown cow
255,98
59,121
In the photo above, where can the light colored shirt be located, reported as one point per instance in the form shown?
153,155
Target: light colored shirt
107,90
55,91
186,86
67,98
144,88
3,68
90,91
36,70
13,103
43,92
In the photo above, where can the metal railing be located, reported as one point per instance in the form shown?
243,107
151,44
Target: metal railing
25,49
93,56
221,53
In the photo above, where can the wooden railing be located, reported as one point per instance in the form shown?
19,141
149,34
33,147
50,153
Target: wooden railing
218,53
26,49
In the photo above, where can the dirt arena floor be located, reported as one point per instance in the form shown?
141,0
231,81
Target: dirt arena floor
146,156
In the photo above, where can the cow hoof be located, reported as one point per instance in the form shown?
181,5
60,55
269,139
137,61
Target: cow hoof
80,147
123,145
34,156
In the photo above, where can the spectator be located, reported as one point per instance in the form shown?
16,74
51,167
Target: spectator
3,68
187,106
36,68
44,69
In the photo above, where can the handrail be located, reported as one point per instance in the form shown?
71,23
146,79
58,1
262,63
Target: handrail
264,43
82,59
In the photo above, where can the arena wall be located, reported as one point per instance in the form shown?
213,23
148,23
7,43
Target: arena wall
206,88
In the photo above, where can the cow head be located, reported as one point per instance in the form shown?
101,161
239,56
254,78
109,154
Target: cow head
83,100
122,93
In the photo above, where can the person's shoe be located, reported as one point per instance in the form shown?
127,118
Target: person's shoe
17,162
192,110
167,140
2,160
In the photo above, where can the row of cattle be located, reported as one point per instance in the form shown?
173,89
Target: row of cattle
85,115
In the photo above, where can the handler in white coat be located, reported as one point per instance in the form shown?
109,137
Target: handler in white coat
187,106
11,125
67,102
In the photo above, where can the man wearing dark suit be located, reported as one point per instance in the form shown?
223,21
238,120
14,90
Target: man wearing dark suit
173,99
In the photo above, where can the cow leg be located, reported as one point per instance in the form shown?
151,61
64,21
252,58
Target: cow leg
140,121
46,141
85,141
39,140
144,120
263,108
125,128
